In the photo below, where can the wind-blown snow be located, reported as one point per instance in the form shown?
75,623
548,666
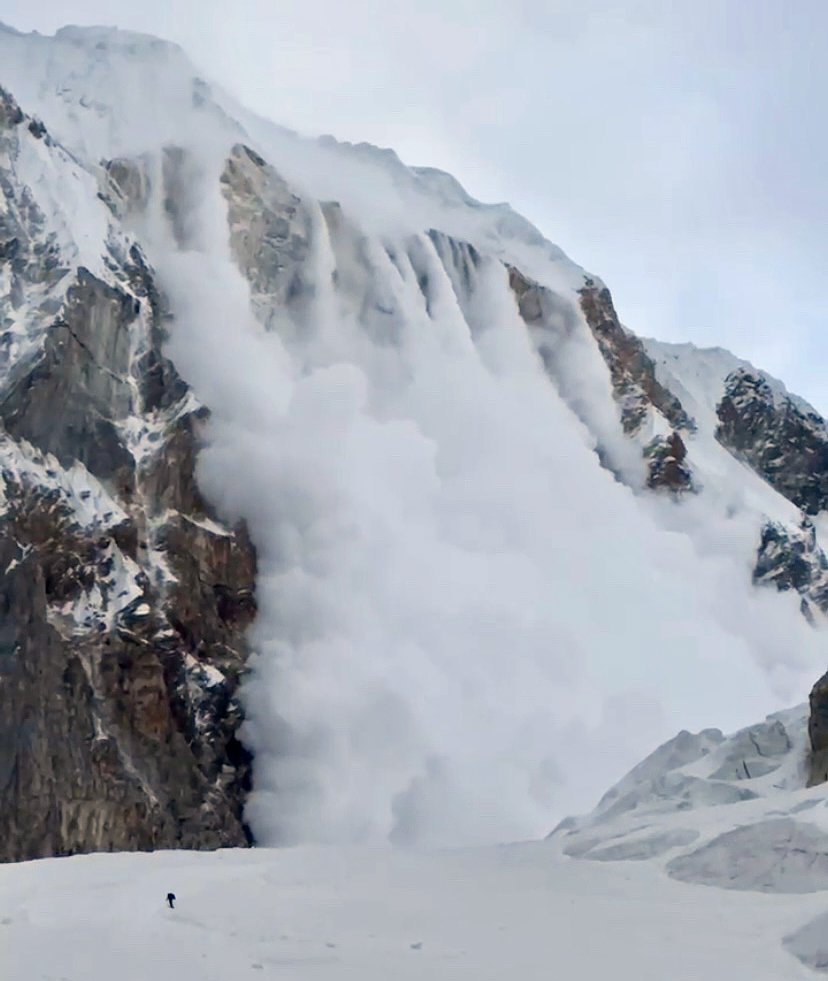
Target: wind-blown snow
467,627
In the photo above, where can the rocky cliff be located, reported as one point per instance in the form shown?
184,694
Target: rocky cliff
124,601
780,437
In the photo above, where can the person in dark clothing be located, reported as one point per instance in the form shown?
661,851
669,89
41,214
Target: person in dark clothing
170,900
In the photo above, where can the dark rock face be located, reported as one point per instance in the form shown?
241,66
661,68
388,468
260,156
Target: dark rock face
784,441
818,732
93,754
634,381
124,603
10,112
121,717
667,467
792,559
461,261
125,636
537,305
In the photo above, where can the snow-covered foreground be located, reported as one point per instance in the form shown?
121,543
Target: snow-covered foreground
521,911
709,860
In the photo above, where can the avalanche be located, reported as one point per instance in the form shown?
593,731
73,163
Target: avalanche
467,625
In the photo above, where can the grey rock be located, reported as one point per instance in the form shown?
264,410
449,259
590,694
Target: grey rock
11,114
83,369
790,558
809,944
122,634
634,381
818,732
461,261
128,186
270,234
91,757
782,438
537,305
358,278
667,467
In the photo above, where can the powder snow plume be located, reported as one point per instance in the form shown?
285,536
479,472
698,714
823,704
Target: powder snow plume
467,625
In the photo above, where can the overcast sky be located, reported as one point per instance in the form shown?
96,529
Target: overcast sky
677,149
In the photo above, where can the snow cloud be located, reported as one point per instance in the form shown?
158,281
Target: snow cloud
467,626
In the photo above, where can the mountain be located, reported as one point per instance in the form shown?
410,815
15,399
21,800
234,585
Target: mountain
339,506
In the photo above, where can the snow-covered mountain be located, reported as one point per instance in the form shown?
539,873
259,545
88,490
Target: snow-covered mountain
316,465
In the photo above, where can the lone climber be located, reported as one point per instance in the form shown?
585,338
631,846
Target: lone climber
171,900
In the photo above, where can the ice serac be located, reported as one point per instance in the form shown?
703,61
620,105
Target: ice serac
124,603
728,811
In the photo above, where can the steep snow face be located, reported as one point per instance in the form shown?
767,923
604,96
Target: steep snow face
758,455
698,375
466,624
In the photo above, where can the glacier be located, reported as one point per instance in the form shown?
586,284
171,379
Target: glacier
472,615
357,913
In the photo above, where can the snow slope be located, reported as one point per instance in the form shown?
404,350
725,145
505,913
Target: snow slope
521,911
467,626
697,376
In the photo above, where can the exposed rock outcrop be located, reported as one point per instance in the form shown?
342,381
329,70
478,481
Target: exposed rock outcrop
818,732
270,233
123,601
790,558
634,381
667,467
126,189
782,438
